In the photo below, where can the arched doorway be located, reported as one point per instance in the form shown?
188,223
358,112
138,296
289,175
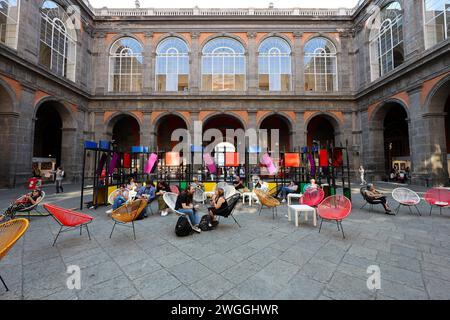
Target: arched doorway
280,123
321,131
396,138
47,146
164,130
8,125
126,132
223,123
437,126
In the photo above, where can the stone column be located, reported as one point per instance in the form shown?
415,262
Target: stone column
102,63
148,131
372,147
195,64
252,64
413,33
69,152
299,131
298,79
148,67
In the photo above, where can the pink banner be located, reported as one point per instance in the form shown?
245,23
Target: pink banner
209,162
151,163
268,162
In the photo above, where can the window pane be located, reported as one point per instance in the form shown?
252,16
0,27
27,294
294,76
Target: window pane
264,82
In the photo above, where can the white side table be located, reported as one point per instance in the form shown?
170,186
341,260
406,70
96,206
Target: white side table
298,209
291,196
251,197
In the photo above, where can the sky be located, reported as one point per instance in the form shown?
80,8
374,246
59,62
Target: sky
226,4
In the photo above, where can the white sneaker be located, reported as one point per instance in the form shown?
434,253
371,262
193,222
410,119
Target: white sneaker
197,229
109,211
283,201
164,213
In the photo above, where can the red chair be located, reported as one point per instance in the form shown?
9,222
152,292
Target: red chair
439,197
312,197
68,219
335,208
174,189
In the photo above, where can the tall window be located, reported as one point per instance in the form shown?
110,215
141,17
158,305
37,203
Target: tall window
172,65
58,40
274,65
125,66
437,21
320,65
9,16
386,40
223,65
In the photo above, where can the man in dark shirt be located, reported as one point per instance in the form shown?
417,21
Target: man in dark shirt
184,204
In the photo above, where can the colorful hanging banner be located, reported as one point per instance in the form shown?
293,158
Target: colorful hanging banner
268,163
209,163
126,160
323,158
173,159
292,160
152,160
231,159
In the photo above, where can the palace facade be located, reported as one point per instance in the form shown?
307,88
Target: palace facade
375,78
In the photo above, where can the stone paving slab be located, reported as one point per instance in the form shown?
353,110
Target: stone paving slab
265,259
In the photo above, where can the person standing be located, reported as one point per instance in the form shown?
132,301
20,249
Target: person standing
59,177
362,175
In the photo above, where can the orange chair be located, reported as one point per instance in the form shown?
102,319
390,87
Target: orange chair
268,201
10,233
127,213
68,219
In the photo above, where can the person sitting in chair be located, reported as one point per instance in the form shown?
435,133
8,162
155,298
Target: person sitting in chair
238,184
219,206
185,205
23,202
121,197
285,190
161,188
377,197
147,193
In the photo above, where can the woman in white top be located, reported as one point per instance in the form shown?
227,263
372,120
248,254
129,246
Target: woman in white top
361,174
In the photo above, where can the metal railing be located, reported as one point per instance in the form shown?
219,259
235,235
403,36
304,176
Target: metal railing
138,12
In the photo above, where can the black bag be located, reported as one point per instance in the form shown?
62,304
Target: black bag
205,222
183,227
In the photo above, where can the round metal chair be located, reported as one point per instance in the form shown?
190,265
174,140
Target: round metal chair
128,213
406,197
268,201
439,197
312,197
10,233
335,208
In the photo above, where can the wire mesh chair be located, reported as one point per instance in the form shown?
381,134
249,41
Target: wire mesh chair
312,197
406,197
10,232
335,208
437,197
268,201
128,213
35,207
68,220
175,189
170,199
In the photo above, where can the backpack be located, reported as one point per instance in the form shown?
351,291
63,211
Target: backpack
204,223
183,227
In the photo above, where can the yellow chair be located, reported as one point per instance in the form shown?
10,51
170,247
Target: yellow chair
268,201
127,213
210,186
10,233
273,188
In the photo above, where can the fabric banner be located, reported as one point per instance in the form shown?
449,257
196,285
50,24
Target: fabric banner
268,162
113,163
312,164
101,164
323,158
152,160
338,160
126,160
209,162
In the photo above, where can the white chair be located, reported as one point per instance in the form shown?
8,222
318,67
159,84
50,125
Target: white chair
406,197
170,199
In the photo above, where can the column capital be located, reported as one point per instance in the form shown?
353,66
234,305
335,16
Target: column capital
148,34
251,35
297,34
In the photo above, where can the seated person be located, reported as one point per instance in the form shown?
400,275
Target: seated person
161,188
197,184
238,184
23,202
185,205
219,206
132,186
285,190
147,193
261,185
377,197
121,197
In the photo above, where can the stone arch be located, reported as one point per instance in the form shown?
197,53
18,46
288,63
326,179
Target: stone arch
334,41
9,117
163,134
286,138
227,114
131,126
174,35
276,35
120,36
225,35
230,120
335,127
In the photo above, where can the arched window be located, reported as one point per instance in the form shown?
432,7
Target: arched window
58,40
320,65
9,17
437,21
223,65
386,40
274,65
172,65
125,66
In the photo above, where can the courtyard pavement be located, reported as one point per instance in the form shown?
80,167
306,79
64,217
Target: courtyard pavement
265,259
